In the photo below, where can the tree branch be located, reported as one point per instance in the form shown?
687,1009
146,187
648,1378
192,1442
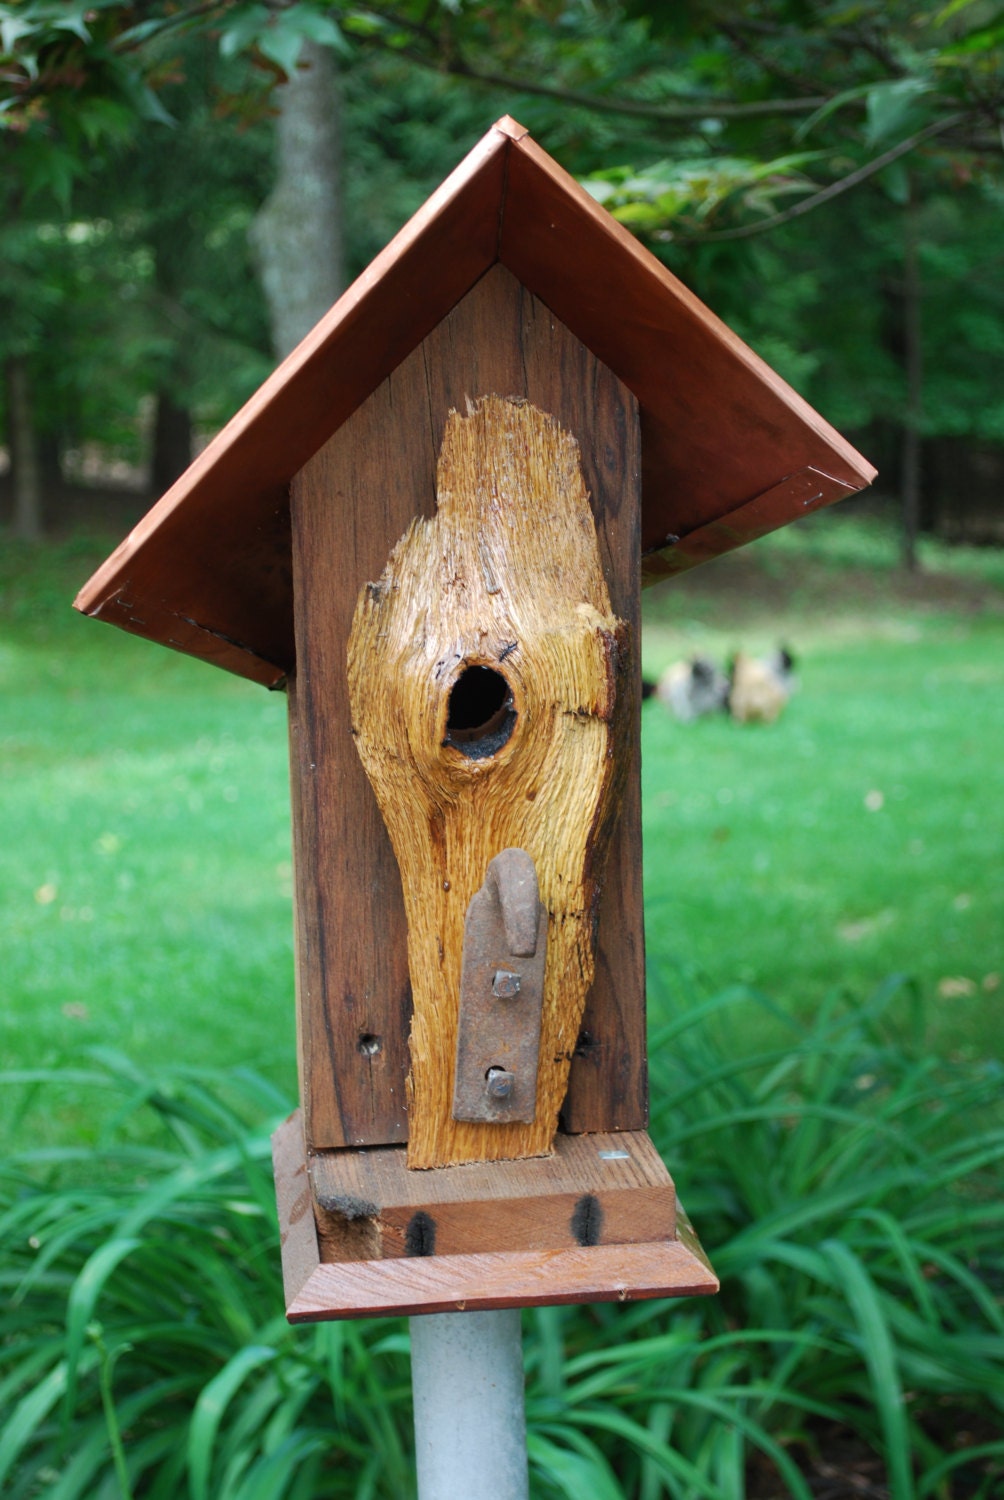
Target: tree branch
843,185
734,32
698,109
188,17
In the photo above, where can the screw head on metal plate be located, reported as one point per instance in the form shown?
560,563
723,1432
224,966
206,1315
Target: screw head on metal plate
500,1082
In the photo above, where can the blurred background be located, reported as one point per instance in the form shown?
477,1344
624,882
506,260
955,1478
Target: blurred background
186,188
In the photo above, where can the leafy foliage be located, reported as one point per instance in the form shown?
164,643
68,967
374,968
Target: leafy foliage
849,1190
839,129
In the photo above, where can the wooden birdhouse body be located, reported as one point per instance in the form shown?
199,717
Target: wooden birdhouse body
430,527
349,506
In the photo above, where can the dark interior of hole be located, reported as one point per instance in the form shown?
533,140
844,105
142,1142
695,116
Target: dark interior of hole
480,715
477,696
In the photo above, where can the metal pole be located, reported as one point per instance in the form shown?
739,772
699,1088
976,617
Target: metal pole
470,1423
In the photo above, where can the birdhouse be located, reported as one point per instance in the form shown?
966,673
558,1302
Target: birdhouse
430,528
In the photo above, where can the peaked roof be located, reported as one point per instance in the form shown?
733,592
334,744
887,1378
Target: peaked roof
729,450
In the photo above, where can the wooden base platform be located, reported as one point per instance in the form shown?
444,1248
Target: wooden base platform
589,1224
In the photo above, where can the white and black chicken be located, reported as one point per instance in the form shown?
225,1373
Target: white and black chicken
691,689
754,690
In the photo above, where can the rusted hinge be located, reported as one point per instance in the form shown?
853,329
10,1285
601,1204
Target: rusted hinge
501,991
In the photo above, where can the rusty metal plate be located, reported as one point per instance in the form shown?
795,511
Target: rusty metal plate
501,991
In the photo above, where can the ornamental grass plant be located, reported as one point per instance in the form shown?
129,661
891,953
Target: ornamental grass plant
847,1186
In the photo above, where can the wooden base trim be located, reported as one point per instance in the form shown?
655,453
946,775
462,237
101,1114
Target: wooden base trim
599,1189
459,1283
316,1291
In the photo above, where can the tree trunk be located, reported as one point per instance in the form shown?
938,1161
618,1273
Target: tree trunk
913,360
172,443
50,468
25,474
297,234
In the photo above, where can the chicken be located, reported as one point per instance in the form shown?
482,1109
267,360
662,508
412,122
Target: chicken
759,687
690,689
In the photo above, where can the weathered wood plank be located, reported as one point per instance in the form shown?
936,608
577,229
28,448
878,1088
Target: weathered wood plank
350,505
448,1283
807,488
458,1283
596,1189
295,1205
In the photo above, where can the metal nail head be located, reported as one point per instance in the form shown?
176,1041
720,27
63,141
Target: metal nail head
505,985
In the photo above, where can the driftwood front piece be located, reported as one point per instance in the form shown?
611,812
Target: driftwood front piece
319,1285
505,584
351,507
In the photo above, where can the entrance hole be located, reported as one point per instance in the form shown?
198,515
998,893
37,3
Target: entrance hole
480,716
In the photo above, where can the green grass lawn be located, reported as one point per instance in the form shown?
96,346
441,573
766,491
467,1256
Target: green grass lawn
145,860
858,836
144,806
846,1183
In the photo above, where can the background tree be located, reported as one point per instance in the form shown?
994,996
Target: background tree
814,171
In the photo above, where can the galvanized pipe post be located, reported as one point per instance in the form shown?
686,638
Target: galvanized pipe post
470,1423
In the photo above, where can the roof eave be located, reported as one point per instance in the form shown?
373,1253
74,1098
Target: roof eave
730,450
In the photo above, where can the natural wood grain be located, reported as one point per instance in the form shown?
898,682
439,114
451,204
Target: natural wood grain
800,493
295,1206
442,1283
503,340
610,1188
505,580
350,505
531,1278
687,1235
207,571
716,419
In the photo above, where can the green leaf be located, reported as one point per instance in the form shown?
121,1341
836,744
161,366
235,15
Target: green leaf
281,44
893,109
209,1410
243,29
84,1294
574,1474
151,108
952,9
895,181
27,1415
318,26
846,96
879,1352
14,26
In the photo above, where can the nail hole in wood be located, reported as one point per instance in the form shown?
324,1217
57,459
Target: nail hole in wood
368,1044
480,716
587,1045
